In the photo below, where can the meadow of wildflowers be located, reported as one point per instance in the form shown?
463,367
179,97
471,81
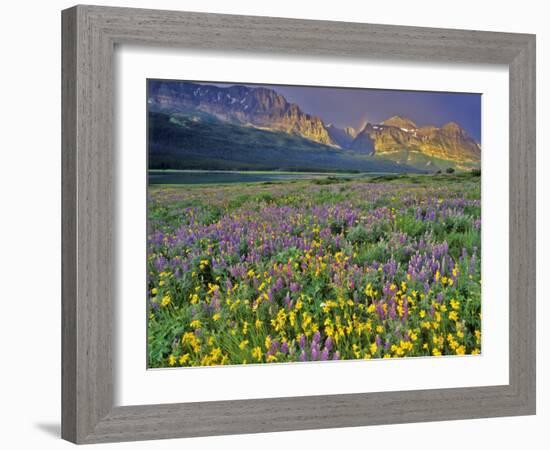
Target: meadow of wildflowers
314,270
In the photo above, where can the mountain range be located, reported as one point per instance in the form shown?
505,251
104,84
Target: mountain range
194,125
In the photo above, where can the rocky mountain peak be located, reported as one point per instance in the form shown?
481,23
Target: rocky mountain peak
400,139
453,128
399,122
350,131
257,106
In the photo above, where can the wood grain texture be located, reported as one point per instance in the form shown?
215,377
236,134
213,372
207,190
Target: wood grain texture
68,225
90,34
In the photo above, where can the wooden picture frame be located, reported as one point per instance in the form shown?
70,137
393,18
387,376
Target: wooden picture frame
90,34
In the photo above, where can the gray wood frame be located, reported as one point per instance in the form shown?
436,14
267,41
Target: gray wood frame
89,37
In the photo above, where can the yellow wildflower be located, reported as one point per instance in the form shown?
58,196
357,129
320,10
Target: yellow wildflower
216,353
292,318
257,353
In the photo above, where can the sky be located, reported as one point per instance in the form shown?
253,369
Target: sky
353,106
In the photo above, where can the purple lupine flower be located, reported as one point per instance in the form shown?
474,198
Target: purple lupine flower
316,337
328,343
228,284
284,348
288,301
324,354
380,311
302,342
303,356
392,312
451,264
472,267
274,347
315,353
160,263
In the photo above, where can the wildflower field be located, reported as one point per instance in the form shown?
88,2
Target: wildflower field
314,270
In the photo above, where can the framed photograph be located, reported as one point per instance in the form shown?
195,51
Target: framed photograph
277,224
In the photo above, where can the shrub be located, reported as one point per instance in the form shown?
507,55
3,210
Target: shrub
476,172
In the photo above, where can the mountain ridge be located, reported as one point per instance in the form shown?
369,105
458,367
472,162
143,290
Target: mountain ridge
397,138
260,106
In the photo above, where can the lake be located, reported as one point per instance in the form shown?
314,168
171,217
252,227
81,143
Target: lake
221,177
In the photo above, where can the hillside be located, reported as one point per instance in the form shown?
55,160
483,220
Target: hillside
202,141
